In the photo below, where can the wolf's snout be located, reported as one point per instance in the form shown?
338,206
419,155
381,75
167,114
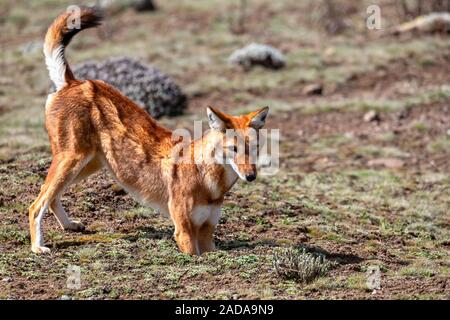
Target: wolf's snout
250,177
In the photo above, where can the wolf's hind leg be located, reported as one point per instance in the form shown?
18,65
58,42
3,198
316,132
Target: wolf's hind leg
63,218
64,168
56,207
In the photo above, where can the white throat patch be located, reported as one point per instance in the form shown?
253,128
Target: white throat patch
236,170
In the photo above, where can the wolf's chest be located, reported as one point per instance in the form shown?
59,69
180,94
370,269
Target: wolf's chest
205,213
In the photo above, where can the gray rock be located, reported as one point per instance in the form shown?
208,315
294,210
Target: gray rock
371,115
313,89
391,163
258,54
435,22
150,88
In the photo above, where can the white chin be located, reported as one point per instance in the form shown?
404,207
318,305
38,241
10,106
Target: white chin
235,169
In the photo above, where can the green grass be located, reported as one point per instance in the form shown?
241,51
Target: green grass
359,216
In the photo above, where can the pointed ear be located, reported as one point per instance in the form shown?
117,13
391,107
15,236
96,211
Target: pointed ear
258,118
216,119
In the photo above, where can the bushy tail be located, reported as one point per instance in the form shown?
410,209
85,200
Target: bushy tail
58,37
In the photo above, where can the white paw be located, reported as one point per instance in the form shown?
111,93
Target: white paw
75,226
38,249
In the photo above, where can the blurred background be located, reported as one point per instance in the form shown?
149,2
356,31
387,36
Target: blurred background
364,113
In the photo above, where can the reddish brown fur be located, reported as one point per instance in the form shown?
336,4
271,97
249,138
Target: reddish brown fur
91,125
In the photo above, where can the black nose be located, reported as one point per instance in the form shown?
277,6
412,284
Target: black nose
250,177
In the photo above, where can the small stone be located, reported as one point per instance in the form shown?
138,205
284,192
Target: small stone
118,190
391,163
258,54
313,89
371,115
7,279
65,297
107,289
322,160
448,132
330,51
349,135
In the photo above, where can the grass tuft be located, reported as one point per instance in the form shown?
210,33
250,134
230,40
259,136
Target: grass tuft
300,265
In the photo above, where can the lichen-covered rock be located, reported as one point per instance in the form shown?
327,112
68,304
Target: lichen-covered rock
258,54
153,90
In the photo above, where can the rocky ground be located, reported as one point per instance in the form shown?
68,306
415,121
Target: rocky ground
364,162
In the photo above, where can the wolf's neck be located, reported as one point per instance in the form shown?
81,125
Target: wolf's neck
210,165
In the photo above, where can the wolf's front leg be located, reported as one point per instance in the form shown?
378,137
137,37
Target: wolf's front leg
185,231
206,237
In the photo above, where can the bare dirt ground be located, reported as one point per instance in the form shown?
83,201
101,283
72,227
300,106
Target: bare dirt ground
364,193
